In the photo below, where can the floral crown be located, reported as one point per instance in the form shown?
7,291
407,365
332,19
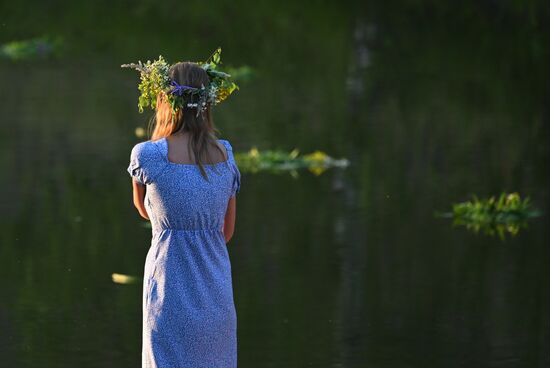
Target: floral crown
155,80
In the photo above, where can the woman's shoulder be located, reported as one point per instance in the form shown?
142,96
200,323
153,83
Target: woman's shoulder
146,150
226,143
146,161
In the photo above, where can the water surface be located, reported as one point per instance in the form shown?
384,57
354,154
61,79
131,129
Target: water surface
347,269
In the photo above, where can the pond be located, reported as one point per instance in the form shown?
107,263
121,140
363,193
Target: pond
349,268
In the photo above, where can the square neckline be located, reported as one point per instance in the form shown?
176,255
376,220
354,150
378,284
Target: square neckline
165,155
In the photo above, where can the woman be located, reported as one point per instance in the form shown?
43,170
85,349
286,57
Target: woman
185,182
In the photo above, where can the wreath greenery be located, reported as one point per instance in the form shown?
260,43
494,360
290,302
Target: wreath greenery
155,80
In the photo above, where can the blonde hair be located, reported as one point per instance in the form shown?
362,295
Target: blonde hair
201,129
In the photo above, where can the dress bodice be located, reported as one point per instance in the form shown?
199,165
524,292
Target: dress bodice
177,196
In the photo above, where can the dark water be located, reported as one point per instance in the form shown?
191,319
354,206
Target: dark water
430,102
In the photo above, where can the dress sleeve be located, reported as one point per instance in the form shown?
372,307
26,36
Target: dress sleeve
142,160
237,174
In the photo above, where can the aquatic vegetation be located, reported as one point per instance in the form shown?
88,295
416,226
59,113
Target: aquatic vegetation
36,48
502,215
277,161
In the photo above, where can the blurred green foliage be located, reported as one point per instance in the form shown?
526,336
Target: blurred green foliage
31,49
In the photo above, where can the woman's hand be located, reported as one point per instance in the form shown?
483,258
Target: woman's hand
229,221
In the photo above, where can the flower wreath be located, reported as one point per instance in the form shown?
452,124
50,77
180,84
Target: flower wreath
155,80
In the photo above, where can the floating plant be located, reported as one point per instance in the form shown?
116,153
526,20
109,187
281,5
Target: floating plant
277,161
35,48
502,215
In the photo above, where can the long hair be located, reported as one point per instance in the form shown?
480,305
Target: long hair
202,132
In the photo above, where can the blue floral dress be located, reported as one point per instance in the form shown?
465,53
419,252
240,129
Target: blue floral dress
189,317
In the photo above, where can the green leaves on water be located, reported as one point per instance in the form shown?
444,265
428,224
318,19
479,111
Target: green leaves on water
505,214
277,161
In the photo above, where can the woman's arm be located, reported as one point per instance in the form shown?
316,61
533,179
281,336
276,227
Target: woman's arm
229,221
139,197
